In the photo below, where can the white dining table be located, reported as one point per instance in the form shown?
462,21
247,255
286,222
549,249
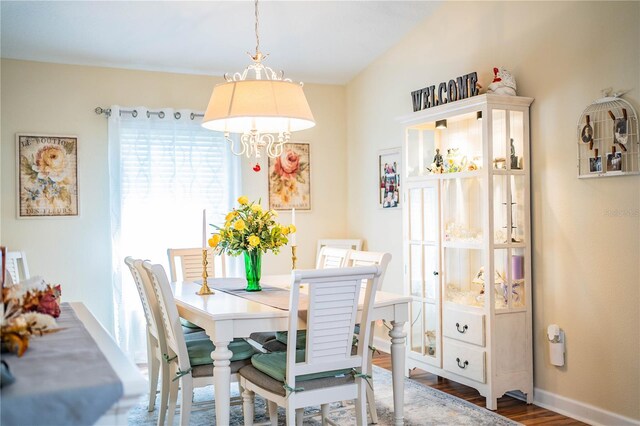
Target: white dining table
226,316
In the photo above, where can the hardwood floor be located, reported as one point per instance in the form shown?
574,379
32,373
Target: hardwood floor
509,407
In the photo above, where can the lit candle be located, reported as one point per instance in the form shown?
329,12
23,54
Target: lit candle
293,222
204,229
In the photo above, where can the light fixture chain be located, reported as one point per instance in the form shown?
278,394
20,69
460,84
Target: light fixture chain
257,35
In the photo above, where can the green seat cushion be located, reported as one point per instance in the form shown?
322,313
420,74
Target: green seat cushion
195,335
189,324
199,350
275,365
301,338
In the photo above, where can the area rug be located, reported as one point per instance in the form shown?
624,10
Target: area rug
423,406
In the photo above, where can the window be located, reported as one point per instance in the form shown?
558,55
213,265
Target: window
164,171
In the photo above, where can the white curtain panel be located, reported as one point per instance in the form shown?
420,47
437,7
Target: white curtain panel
163,173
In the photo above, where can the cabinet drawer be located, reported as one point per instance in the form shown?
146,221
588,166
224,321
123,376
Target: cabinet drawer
464,326
464,360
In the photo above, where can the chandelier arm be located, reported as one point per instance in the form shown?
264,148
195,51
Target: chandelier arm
247,143
232,145
275,148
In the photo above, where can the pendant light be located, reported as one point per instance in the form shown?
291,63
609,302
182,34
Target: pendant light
259,105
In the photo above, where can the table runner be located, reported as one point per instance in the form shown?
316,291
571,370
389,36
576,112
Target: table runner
276,297
62,379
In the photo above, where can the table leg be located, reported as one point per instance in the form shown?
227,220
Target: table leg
222,379
398,348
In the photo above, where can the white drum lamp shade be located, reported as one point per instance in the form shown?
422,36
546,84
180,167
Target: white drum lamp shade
266,106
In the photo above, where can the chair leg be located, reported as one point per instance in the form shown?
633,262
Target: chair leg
164,392
154,370
291,415
248,406
299,416
361,405
324,410
273,412
173,395
371,404
371,398
240,388
187,398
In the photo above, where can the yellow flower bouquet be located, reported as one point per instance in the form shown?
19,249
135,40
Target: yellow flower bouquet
250,230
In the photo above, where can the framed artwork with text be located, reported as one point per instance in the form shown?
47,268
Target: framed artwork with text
47,175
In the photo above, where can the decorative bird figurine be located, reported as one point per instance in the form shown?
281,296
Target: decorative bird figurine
503,83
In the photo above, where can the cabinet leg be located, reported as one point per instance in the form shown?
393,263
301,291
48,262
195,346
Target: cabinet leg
492,404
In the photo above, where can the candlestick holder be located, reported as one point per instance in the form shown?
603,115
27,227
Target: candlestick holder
204,290
293,257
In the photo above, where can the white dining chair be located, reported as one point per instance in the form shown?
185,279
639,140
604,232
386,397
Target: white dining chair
190,363
368,258
331,257
328,257
191,264
16,265
327,370
156,345
349,244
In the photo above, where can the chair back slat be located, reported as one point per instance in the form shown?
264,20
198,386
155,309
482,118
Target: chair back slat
168,313
368,258
145,292
349,244
190,260
331,257
332,312
16,265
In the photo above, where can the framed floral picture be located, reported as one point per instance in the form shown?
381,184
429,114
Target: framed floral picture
290,178
47,175
389,178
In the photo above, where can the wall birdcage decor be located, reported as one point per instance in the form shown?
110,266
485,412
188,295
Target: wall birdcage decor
608,142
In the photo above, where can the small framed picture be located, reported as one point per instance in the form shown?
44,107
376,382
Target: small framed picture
595,164
389,178
614,162
47,175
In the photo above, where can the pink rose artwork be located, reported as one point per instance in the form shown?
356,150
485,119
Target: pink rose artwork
288,164
289,178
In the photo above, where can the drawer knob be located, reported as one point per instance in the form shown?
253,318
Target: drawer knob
463,365
464,328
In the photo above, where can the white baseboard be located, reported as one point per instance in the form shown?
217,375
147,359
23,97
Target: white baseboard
579,410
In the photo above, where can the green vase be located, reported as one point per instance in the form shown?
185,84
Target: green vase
253,268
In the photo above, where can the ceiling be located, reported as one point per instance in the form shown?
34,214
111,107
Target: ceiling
312,41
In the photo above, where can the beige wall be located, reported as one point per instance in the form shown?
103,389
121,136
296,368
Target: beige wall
586,255
59,99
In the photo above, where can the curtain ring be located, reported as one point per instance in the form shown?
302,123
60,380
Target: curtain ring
177,115
134,113
161,114
193,116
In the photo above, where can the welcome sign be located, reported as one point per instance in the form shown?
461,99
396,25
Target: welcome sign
454,90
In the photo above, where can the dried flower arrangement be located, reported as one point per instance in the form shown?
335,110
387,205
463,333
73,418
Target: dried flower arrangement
27,313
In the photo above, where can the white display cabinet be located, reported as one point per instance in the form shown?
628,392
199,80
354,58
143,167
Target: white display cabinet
467,243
